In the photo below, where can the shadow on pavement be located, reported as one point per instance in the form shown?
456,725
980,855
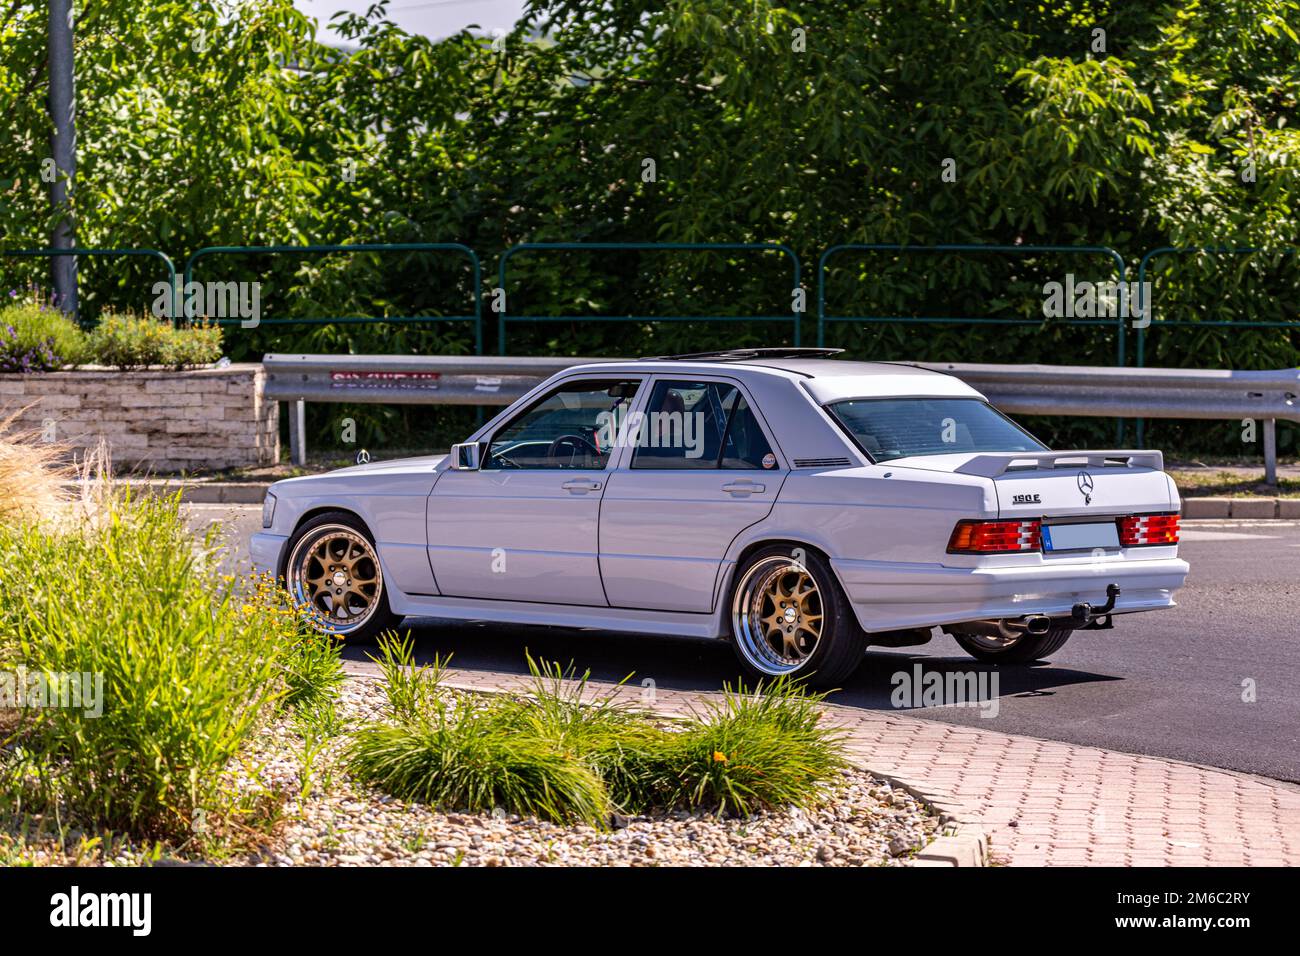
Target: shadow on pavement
693,665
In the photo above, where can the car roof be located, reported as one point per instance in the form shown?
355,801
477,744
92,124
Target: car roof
827,379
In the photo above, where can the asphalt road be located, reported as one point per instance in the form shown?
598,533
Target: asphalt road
1170,683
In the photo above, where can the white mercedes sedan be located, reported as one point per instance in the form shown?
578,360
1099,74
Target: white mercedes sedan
800,506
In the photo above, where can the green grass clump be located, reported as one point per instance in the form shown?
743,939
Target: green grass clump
469,759
411,690
754,750
191,664
313,673
563,753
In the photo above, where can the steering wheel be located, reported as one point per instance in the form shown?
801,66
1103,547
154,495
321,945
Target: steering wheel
576,445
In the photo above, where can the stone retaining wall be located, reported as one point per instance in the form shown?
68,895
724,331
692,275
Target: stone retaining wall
156,420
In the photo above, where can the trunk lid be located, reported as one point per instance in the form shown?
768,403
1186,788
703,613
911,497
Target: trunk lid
1062,483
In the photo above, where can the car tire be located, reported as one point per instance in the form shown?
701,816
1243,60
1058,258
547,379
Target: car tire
821,643
1026,649
333,570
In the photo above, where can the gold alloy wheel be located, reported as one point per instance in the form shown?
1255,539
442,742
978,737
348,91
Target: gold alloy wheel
777,615
335,574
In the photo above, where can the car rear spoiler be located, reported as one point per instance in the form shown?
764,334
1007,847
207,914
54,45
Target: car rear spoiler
992,464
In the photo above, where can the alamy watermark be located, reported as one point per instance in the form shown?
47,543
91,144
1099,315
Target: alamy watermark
82,691
1098,300
212,300
618,429
922,688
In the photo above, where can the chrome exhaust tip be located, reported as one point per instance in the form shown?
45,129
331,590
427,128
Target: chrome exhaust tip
1038,624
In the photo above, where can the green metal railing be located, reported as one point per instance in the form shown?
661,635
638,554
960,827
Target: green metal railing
1200,250
476,317
1176,323
108,253
823,318
503,317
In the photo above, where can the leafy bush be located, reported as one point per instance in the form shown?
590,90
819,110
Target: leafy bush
131,341
191,663
34,338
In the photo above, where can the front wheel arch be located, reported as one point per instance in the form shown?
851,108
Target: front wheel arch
316,512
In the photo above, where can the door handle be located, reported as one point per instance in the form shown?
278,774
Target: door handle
743,486
580,486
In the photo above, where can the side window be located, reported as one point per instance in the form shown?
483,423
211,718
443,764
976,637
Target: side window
698,425
574,426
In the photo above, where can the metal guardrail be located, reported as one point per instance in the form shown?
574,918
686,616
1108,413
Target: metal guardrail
1140,392
399,380
1022,389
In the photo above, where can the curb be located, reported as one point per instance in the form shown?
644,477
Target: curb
1241,508
967,845
961,840
195,492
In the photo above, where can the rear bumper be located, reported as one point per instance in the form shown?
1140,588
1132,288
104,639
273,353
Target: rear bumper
265,550
891,596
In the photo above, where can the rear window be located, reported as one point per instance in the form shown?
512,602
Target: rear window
887,428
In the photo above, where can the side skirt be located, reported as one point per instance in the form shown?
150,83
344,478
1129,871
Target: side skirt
627,620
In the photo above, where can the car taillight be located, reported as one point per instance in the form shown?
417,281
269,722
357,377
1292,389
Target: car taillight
1136,530
995,537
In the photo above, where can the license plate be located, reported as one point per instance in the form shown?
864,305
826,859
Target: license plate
1080,537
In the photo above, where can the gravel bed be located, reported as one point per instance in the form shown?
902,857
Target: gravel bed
328,820
865,822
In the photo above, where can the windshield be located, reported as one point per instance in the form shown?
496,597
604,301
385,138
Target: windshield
887,428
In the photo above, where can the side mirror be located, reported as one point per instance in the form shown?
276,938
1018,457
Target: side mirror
465,456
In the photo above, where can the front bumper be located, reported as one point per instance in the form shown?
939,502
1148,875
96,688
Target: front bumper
266,550
893,596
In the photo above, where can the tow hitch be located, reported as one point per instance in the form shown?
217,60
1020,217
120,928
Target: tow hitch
1092,618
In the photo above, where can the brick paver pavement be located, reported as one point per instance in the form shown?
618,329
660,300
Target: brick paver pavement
1040,801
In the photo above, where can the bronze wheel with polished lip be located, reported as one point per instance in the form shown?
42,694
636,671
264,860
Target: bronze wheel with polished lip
789,617
333,571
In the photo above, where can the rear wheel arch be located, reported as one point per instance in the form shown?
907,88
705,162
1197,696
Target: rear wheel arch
840,640
727,578
790,543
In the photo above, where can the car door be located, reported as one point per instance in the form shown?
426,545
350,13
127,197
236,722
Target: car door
524,526
701,470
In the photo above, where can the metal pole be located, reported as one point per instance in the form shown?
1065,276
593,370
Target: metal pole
1270,451
298,432
63,149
